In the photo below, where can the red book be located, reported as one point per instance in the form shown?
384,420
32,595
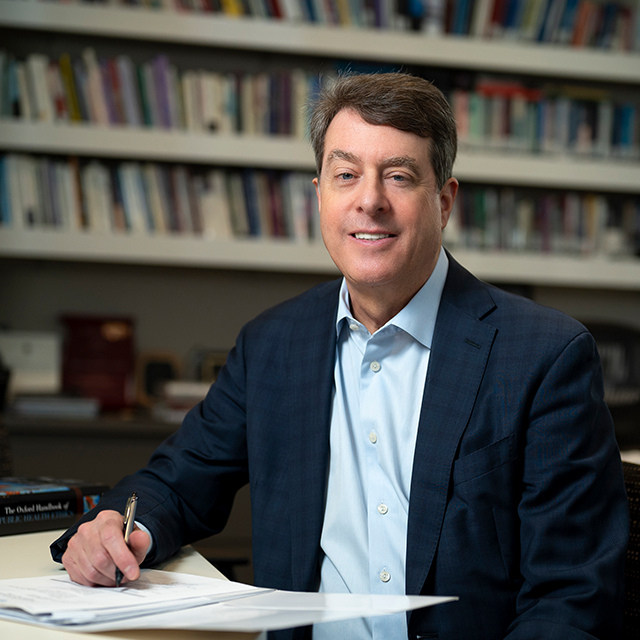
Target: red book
116,85
98,359
498,17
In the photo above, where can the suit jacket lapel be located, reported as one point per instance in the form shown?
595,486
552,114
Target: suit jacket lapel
460,349
312,358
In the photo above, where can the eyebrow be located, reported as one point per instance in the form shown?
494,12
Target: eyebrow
394,161
339,154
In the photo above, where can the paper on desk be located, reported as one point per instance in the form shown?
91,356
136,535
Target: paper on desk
282,610
214,605
58,600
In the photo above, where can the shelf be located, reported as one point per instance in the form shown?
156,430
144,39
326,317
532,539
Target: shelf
552,270
272,255
336,42
564,172
155,144
250,254
548,171
110,425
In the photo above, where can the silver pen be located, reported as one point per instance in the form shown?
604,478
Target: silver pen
129,520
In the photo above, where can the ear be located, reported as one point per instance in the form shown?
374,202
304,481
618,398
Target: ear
316,184
447,198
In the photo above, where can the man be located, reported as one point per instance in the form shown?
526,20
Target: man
406,429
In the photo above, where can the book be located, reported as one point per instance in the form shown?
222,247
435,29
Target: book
156,202
68,83
130,91
98,359
43,504
55,406
97,99
37,71
5,203
214,205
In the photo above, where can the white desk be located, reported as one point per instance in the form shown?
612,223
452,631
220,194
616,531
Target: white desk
27,555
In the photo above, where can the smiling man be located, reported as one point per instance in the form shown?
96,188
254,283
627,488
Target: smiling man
406,429
382,213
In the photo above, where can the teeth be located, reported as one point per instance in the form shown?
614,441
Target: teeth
372,236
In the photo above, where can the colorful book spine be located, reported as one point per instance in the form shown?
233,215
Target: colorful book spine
28,505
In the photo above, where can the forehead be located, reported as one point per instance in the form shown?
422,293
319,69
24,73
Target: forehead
349,137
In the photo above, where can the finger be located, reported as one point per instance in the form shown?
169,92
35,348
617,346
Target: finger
139,542
90,562
120,553
71,566
86,564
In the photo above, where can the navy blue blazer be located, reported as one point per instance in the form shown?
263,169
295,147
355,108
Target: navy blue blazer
517,500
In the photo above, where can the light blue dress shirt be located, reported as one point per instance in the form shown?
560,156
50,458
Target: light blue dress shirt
379,384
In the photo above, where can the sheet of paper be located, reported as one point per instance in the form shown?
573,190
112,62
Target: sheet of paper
282,611
58,600
159,599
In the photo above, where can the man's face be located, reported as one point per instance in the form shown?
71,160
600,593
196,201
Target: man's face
381,214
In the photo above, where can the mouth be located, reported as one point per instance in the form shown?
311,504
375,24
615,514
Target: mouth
372,236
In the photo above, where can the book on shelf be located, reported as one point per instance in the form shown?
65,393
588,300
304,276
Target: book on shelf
568,223
225,204
115,91
151,198
612,25
508,115
44,504
492,112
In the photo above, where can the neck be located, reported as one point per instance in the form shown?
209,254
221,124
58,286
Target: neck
375,308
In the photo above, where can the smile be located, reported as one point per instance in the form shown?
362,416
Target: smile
371,236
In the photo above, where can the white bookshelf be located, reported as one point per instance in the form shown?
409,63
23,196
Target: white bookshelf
283,255
334,42
273,152
268,36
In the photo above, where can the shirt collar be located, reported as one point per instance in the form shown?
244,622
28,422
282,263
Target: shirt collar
418,317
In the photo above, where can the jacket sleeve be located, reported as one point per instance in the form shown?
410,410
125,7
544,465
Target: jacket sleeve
187,489
573,511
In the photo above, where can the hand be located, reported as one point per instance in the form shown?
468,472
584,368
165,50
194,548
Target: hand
98,547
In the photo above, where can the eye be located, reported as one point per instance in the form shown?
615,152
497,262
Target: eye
345,175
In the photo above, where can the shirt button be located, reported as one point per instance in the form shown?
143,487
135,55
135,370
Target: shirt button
375,366
382,509
354,327
385,576
373,438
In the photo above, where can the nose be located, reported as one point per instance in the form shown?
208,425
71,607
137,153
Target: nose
372,198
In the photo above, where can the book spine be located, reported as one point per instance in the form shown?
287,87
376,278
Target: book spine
97,99
44,511
130,93
37,68
5,202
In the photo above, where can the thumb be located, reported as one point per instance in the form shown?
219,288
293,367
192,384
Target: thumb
139,542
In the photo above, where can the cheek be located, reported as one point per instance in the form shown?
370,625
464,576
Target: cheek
330,212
